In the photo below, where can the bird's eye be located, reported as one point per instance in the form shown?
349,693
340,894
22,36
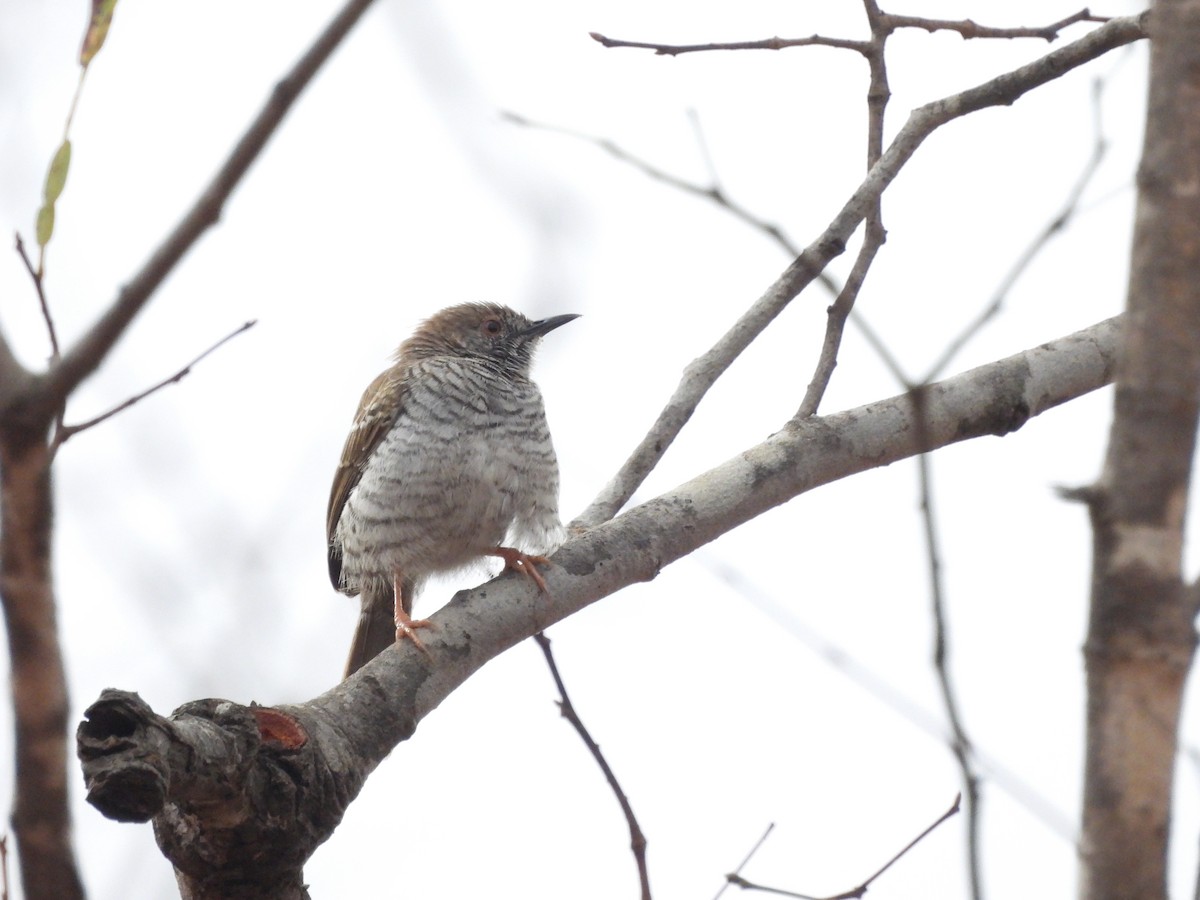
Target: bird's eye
492,326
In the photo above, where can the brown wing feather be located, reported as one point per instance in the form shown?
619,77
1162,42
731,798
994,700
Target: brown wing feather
381,404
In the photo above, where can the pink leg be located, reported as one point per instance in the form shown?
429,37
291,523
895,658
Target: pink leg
406,626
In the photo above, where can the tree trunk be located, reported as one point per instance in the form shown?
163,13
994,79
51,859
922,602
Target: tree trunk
1141,637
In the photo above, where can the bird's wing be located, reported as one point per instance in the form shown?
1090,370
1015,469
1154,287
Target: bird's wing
381,405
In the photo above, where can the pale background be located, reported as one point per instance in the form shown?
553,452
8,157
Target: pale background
190,546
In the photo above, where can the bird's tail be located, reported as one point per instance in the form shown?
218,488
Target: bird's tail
376,629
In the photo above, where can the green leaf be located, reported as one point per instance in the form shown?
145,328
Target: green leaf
45,224
56,178
97,30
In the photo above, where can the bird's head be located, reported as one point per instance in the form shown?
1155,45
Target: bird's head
489,332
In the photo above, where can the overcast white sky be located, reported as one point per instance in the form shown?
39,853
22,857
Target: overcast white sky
190,546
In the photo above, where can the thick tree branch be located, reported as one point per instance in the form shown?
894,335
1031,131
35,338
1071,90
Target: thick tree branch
704,371
14,378
331,744
40,816
1141,637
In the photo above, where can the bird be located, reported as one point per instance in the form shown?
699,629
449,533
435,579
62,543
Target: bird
448,460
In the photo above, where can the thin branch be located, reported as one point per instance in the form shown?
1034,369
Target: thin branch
771,43
965,27
861,889
704,371
82,359
837,315
637,840
36,275
4,867
1068,211
705,152
747,885
960,743
878,95
950,813
712,192
66,432
738,871
969,29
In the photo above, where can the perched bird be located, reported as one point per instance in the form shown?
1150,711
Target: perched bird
449,460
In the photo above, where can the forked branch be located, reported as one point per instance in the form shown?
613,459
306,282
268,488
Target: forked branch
704,371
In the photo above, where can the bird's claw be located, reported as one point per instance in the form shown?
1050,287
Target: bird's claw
406,629
527,563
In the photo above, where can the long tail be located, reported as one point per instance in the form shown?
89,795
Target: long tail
376,630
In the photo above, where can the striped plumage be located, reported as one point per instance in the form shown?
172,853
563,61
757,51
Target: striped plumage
449,458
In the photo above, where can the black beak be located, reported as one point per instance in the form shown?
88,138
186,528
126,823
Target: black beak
545,326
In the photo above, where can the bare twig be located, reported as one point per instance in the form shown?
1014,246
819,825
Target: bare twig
969,29
704,371
4,867
712,192
964,27
950,813
771,43
878,94
36,275
736,872
83,358
66,432
637,840
747,885
960,743
861,889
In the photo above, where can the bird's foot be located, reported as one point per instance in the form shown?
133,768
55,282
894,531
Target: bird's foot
406,629
517,561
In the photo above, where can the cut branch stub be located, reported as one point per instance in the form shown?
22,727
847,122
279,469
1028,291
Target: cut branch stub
239,796
124,757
